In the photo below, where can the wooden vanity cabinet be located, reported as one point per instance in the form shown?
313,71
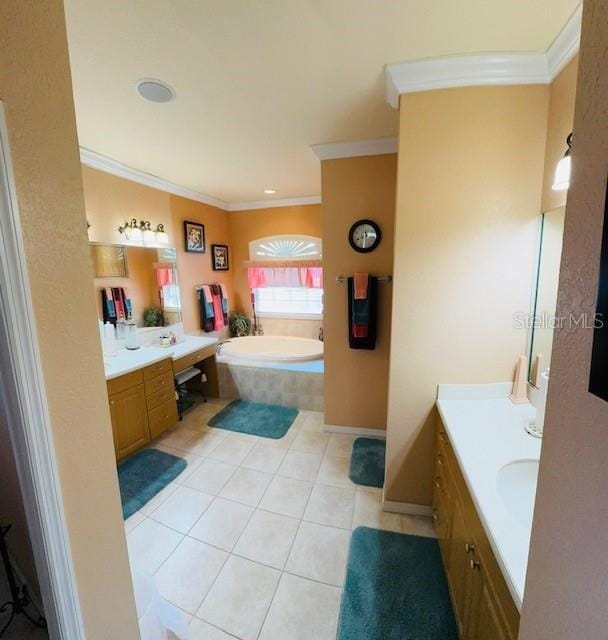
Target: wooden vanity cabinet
483,606
129,414
142,406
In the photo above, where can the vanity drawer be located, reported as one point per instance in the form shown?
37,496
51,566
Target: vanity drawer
193,358
122,383
160,383
157,368
158,398
162,418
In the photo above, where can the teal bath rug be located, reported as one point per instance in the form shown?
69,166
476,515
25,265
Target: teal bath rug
367,462
255,418
143,475
395,589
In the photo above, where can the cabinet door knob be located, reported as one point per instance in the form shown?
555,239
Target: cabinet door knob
438,482
112,401
435,515
469,548
475,565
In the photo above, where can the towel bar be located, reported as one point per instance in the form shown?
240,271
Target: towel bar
341,279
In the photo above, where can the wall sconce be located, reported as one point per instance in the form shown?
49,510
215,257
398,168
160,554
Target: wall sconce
561,181
143,232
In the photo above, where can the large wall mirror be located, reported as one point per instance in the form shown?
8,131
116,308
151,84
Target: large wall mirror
140,282
544,298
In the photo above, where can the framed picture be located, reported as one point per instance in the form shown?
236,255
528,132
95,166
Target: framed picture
194,235
219,253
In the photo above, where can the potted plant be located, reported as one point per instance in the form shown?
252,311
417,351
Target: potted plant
240,325
153,317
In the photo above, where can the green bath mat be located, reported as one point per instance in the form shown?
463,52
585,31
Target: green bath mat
143,475
395,589
255,418
367,462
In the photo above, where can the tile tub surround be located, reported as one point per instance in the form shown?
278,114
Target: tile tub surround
264,558
486,431
299,389
293,327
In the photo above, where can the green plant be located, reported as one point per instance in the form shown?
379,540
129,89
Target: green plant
153,317
240,325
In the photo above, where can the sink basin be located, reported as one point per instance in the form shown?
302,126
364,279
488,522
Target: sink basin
516,484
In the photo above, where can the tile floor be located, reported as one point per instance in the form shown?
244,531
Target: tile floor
251,540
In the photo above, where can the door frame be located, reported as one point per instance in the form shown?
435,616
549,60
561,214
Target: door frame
23,394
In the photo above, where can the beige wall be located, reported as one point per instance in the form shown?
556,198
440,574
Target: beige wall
356,381
559,125
566,586
111,200
468,196
246,226
36,89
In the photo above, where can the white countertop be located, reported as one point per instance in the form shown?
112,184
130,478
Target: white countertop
486,431
126,360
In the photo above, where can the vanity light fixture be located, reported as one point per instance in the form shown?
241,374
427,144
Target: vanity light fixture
270,192
143,232
162,237
561,181
149,236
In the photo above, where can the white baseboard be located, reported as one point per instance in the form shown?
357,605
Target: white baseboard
408,508
356,431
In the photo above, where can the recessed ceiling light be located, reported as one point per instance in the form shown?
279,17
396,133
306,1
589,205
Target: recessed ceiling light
154,90
269,192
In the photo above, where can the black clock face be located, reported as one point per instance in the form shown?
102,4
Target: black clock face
364,236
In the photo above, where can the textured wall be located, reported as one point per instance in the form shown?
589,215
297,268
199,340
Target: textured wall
566,587
468,197
36,89
356,381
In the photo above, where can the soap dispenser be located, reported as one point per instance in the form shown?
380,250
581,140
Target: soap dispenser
131,337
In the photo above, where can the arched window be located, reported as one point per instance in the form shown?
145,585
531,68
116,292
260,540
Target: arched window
285,276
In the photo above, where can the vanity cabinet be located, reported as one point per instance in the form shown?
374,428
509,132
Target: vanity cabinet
482,604
142,406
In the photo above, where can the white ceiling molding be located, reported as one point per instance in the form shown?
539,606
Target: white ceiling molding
355,148
103,163
447,72
271,204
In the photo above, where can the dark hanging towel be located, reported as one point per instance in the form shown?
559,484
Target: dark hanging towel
363,312
205,310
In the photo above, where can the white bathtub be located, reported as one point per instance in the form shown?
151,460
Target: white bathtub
264,349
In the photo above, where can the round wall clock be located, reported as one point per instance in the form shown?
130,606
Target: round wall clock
364,236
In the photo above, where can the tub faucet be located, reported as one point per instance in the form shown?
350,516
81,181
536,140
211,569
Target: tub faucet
218,348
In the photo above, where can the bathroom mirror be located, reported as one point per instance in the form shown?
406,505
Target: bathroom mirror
542,319
140,282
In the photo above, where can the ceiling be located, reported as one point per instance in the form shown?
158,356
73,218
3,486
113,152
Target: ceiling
258,82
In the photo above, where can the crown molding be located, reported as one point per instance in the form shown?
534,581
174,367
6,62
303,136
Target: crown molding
271,204
485,69
103,163
355,148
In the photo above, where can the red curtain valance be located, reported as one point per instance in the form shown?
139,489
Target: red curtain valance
309,277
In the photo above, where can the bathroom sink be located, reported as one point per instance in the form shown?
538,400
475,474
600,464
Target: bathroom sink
516,484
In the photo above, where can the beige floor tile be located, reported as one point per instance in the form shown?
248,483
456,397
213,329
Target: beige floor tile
187,575
300,466
246,486
200,630
320,553
210,476
222,523
334,472
340,446
205,443
310,442
419,526
159,498
233,449
302,610
150,544
368,512
177,438
267,538
192,460
182,508
286,496
239,599
332,506
264,457
133,521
